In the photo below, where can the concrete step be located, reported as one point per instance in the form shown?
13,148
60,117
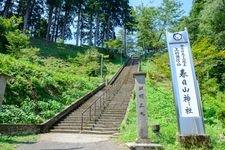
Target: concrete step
114,113
72,127
83,131
93,120
107,125
106,121
64,131
104,129
109,120
76,122
79,118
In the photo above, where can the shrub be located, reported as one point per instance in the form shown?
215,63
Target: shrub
12,39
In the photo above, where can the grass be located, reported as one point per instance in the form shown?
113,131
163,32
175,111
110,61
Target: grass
44,82
11,142
161,110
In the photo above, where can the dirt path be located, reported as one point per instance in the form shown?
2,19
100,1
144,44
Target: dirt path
66,141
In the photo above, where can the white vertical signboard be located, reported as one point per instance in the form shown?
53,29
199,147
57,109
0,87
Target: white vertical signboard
185,81
185,86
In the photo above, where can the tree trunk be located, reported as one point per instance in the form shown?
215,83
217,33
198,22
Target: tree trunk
78,25
64,25
81,31
57,26
49,22
90,31
8,4
108,29
54,25
96,31
27,13
103,34
125,39
113,31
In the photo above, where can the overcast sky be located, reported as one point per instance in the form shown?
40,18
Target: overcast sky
186,4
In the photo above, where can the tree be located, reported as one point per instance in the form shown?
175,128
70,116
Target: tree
8,5
79,5
52,4
212,22
29,7
12,39
147,33
192,22
68,8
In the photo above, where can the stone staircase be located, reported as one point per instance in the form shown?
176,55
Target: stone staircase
110,117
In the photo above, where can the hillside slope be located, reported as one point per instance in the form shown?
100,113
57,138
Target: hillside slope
43,81
161,108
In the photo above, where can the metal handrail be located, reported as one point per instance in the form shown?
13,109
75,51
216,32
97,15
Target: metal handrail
103,97
102,100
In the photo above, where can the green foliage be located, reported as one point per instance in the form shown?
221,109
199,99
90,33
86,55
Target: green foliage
148,36
209,62
210,66
161,109
13,114
213,25
151,23
157,67
89,62
206,20
12,39
114,44
41,86
17,41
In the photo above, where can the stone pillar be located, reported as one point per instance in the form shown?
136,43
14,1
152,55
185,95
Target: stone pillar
142,115
3,80
143,142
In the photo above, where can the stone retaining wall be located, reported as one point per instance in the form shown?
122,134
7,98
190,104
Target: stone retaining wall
12,129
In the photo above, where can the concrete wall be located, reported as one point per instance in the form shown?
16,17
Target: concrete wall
11,129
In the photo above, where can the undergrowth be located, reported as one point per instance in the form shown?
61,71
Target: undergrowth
42,82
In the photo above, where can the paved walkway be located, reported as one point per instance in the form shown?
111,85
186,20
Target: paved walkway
66,141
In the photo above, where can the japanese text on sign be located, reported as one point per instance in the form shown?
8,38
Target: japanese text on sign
186,88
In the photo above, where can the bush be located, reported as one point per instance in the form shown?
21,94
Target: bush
210,66
12,39
42,85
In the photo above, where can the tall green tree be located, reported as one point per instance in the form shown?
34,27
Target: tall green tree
212,22
52,5
7,7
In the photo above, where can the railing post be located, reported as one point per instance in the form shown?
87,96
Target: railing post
95,109
81,128
90,113
100,104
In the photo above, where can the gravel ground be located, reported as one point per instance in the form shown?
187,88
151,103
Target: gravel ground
63,141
